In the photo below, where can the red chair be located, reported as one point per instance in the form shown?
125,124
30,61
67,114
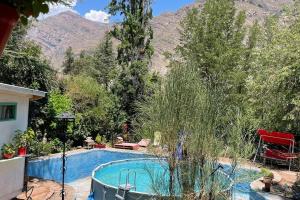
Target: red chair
285,140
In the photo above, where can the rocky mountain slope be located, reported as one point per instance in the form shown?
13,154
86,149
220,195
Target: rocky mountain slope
55,34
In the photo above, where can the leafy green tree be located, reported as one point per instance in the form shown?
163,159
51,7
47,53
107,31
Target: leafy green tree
68,64
58,103
23,63
134,51
105,62
93,106
213,39
84,64
273,86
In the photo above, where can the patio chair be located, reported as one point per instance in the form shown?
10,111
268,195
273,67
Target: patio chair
133,146
282,147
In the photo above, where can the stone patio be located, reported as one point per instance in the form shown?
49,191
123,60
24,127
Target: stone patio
81,188
44,190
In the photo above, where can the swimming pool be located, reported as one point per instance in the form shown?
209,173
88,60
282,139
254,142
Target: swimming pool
78,165
81,165
142,174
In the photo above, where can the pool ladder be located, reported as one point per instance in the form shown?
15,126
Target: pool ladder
124,188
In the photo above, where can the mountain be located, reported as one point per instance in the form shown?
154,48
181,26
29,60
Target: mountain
55,34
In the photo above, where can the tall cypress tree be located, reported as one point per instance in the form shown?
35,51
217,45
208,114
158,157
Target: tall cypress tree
104,62
134,51
68,64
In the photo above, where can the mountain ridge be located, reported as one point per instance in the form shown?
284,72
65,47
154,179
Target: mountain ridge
56,33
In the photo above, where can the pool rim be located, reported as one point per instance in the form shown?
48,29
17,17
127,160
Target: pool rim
140,159
85,151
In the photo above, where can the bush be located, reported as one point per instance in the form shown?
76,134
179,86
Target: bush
41,148
24,139
100,139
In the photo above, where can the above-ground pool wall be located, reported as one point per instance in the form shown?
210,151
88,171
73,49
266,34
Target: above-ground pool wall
102,192
79,165
11,177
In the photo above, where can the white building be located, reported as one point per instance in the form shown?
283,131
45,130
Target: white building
14,105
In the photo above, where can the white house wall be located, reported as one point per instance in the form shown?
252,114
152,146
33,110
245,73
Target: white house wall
11,177
7,128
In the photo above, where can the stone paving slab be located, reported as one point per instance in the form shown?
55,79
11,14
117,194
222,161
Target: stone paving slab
81,188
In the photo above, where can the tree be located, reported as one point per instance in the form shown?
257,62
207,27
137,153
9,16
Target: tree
214,39
186,113
104,62
93,105
23,63
84,64
134,52
68,64
273,86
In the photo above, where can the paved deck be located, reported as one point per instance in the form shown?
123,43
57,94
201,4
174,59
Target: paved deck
81,188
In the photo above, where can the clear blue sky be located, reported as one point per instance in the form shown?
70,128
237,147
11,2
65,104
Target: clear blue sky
159,6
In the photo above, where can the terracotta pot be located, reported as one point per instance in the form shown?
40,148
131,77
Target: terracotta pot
8,19
22,151
268,183
8,156
100,146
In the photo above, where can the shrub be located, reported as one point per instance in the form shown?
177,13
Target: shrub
267,173
100,139
24,139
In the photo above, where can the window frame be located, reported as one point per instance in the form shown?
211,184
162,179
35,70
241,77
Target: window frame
15,110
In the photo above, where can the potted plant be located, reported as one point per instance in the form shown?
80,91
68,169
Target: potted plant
8,151
13,10
20,142
268,177
100,142
23,140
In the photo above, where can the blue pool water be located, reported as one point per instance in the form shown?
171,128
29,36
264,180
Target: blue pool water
78,165
148,170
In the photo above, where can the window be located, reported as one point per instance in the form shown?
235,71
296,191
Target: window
8,111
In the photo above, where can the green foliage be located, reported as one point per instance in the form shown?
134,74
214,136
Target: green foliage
24,139
212,38
43,148
33,8
100,139
134,32
83,64
23,63
266,172
134,51
104,62
186,105
68,64
93,105
58,103
8,149
215,41
273,86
